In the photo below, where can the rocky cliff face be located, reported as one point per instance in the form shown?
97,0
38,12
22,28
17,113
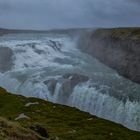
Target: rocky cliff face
117,48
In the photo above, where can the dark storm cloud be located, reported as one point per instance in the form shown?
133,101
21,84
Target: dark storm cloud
44,14
137,1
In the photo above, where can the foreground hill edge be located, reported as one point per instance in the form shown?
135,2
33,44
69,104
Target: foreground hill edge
45,120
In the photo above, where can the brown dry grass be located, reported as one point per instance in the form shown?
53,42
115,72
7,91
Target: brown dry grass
13,131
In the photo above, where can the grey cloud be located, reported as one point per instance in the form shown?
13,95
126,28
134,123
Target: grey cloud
44,14
135,1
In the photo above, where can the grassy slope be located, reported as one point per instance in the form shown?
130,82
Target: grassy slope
63,122
119,33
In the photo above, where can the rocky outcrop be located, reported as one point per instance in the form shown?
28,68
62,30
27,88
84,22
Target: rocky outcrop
117,48
40,130
14,131
66,84
6,56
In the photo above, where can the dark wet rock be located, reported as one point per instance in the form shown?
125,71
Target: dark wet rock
75,79
26,65
40,130
51,84
56,45
32,45
117,48
39,51
6,59
65,91
67,82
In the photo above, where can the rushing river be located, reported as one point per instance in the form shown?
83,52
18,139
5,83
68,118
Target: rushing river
52,67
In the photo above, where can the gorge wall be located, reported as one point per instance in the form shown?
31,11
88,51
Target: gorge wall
117,48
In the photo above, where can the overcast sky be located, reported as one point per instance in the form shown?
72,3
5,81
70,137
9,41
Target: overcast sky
44,14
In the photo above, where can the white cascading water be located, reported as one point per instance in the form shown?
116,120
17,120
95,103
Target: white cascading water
52,67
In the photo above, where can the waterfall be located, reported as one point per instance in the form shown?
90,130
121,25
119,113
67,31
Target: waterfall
54,69
87,98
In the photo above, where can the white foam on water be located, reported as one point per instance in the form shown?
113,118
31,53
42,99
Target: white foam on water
25,51
105,106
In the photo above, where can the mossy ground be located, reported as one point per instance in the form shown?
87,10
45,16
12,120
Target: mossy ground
60,121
